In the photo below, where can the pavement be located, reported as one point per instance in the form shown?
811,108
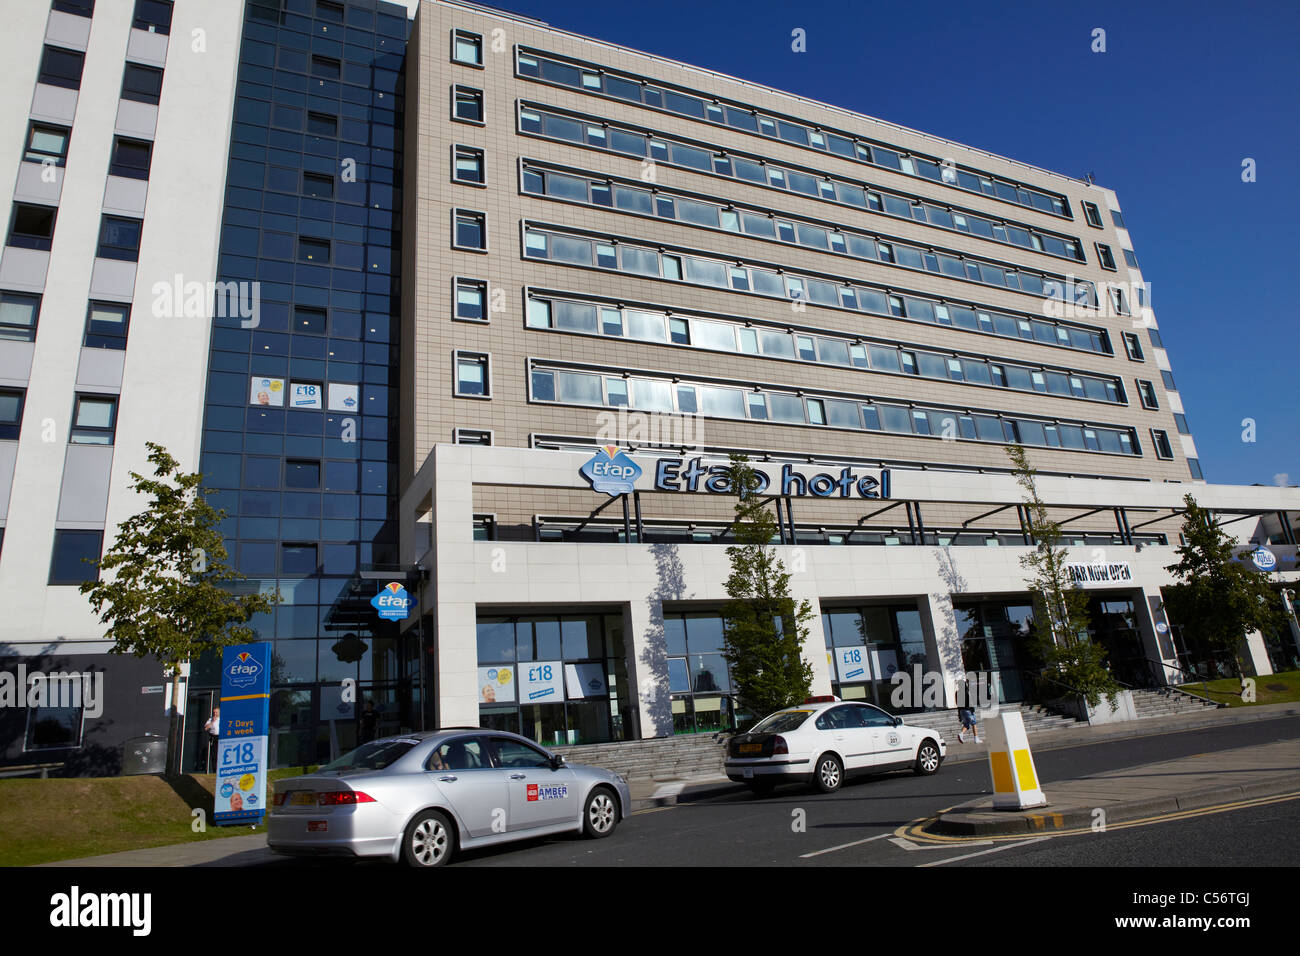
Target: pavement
1134,793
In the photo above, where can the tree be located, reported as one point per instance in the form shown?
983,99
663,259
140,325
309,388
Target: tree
764,630
168,591
1060,606
1219,600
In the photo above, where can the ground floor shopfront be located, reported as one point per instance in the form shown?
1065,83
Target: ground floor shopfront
581,639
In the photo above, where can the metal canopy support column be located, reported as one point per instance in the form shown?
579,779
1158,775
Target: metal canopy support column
1022,513
789,517
1288,536
911,523
920,523
1121,525
780,520
640,525
627,521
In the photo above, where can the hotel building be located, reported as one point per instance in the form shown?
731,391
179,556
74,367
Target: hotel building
449,254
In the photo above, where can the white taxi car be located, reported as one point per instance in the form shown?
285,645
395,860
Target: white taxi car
825,740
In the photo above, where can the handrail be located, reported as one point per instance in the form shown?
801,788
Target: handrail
1204,680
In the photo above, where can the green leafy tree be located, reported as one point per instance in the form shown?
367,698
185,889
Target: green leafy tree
164,588
1060,606
764,629
1218,600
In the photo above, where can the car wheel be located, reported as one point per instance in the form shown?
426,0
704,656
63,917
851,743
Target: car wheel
600,816
428,840
829,773
761,788
927,758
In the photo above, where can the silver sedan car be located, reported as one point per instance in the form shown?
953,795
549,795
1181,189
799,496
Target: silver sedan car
423,797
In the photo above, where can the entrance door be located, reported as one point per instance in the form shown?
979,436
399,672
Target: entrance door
196,754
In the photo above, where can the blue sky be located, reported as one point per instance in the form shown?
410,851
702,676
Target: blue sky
1184,92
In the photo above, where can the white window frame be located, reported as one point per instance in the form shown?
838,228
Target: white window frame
457,432
457,35
456,213
482,102
455,298
481,154
1155,444
486,357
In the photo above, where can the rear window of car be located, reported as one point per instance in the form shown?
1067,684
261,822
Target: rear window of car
781,723
372,756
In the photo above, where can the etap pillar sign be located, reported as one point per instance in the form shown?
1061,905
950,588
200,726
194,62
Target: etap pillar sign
1015,778
241,750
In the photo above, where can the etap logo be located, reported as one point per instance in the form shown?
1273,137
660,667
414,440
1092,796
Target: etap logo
392,602
243,669
611,471
1263,559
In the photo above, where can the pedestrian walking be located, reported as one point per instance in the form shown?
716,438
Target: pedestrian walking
966,715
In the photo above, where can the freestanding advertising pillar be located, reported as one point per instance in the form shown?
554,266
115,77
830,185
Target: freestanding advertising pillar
241,751
1015,779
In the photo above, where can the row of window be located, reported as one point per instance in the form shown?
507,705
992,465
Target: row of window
538,65
154,16
618,255
48,144
545,312
94,417
106,322
667,204
62,67
573,387
32,227
602,135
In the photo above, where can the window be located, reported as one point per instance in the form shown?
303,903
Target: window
18,312
141,83
472,378
470,231
1105,257
325,67
306,319
472,436
78,8
1092,213
467,48
58,723
1130,257
32,227
130,158
11,413
72,552
119,239
317,186
1168,379
1161,441
298,558
1147,393
467,104
1133,346
326,10
106,325
313,250
94,420
301,474
154,16
1194,466
60,67
467,165
322,124
471,300
47,144
1180,421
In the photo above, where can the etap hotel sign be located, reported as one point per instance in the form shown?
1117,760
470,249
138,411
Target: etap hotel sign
615,473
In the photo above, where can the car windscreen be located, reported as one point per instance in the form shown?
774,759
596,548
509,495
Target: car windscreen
781,723
372,756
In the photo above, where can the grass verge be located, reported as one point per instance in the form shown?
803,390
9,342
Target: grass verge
1280,688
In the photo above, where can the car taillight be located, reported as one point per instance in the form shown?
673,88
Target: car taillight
278,798
779,747
340,798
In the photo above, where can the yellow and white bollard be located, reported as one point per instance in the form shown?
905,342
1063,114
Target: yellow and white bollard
1015,779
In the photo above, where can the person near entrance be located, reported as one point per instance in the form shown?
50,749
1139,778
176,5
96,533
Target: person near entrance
369,722
213,728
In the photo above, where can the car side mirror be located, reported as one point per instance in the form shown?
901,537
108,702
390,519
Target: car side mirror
557,761
898,721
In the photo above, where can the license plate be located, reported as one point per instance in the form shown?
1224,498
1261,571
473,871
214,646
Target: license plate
318,826
749,772
751,748
302,799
